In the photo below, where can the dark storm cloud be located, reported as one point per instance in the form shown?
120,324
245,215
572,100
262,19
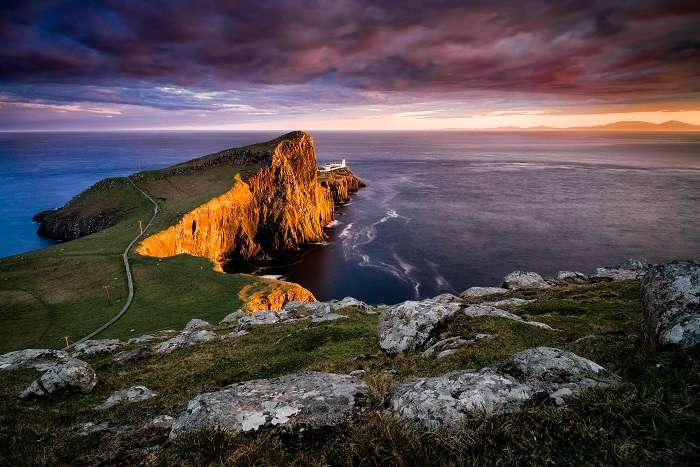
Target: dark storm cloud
612,51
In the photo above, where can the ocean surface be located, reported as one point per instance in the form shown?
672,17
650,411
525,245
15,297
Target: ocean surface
441,211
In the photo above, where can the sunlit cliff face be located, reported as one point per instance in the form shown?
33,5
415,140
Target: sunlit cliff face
274,211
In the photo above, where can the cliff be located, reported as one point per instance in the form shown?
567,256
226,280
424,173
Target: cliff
277,208
342,183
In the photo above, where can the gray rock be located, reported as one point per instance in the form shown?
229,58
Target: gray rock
541,373
232,317
446,298
132,394
259,318
69,376
671,304
87,428
185,339
451,344
616,274
446,399
39,359
97,346
475,292
141,339
524,280
327,317
357,373
572,276
475,311
409,324
131,355
163,422
195,324
634,264
303,400
349,302
318,308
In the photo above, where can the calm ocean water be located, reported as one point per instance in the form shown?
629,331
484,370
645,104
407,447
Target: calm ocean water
442,210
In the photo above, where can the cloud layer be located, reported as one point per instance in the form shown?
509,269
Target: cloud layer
285,57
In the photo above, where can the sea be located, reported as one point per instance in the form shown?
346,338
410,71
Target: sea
442,211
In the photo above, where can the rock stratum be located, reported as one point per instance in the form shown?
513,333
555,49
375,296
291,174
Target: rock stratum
279,208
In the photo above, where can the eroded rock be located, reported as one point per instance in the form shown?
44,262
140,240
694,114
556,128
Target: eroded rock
303,400
671,304
132,394
409,324
68,376
542,373
524,280
39,359
97,346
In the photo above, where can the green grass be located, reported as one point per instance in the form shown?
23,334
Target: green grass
58,291
650,419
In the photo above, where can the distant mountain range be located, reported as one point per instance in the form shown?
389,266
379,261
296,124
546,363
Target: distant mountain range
671,125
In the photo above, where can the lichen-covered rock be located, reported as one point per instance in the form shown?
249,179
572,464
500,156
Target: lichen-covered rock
446,399
475,292
671,304
141,339
186,339
195,324
572,276
404,326
162,422
542,373
232,317
616,274
303,400
39,359
475,311
256,319
349,302
132,394
68,376
96,346
524,280
445,298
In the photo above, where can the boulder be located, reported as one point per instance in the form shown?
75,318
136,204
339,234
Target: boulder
163,422
446,298
303,400
628,269
475,292
446,399
349,302
404,326
131,355
232,317
97,346
240,333
132,394
327,317
543,374
475,311
69,376
572,276
39,359
524,280
259,318
195,324
671,304
185,339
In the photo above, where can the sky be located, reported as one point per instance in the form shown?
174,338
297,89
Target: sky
346,64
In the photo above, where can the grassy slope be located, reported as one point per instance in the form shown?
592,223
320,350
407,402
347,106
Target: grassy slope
651,419
57,291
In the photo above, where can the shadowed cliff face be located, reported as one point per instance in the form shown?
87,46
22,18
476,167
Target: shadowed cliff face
280,207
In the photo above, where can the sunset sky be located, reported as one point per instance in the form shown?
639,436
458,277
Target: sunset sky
344,64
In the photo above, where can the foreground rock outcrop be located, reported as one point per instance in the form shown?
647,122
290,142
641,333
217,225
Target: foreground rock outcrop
69,376
409,324
541,373
39,359
303,400
281,206
671,304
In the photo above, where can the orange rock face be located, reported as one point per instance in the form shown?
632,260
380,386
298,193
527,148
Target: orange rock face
274,297
280,207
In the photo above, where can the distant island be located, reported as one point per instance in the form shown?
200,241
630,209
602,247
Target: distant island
671,125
